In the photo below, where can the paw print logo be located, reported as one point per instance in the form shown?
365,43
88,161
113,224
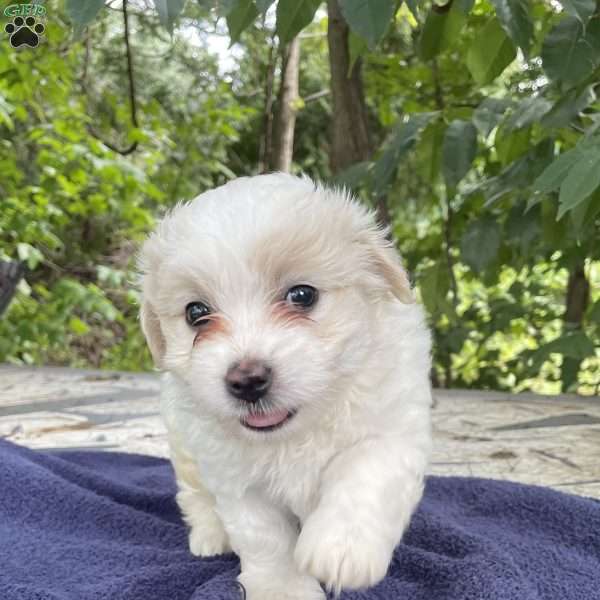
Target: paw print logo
24,32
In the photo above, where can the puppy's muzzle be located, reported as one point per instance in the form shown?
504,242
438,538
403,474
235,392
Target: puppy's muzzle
248,380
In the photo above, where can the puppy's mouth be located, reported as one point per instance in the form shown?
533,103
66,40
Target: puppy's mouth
267,420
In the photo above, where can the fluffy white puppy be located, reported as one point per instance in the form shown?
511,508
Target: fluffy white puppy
296,392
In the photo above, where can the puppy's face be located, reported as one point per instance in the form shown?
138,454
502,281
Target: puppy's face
264,296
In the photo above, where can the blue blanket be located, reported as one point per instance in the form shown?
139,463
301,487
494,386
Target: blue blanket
96,526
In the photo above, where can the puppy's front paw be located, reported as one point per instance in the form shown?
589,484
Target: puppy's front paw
209,538
340,554
280,586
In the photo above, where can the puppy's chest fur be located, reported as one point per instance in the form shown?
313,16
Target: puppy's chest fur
288,471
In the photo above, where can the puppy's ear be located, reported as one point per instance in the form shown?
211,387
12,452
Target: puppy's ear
152,331
387,261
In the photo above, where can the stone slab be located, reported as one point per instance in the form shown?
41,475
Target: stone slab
545,440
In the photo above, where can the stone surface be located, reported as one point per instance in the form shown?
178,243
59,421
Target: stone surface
545,440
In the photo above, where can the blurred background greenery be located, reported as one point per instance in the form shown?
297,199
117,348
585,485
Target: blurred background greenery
470,127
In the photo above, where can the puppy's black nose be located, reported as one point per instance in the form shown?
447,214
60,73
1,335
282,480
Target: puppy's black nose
248,380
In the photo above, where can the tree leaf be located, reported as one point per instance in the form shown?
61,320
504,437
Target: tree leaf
402,141
263,5
489,113
574,345
458,151
515,20
440,30
569,53
569,106
434,284
510,145
582,179
556,172
240,18
429,152
480,243
168,11
464,6
293,16
580,9
354,176
81,12
490,53
357,46
520,173
368,18
527,112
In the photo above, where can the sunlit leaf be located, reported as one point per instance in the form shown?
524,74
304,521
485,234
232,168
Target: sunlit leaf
490,53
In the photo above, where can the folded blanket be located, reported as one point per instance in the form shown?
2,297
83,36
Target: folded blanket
95,526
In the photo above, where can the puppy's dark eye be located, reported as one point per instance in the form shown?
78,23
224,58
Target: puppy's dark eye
195,312
303,296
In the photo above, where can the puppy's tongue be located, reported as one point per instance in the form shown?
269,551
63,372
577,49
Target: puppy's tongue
267,419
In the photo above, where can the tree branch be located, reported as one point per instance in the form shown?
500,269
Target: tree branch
440,104
266,142
132,95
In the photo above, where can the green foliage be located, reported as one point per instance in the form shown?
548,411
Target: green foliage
293,16
571,51
440,29
240,17
368,19
71,209
486,155
83,11
168,11
516,21
458,151
490,53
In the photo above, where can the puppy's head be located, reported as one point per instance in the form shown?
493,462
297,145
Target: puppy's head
266,296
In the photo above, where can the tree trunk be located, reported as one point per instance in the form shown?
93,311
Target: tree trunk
10,275
351,140
266,143
576,303
578,297
286,114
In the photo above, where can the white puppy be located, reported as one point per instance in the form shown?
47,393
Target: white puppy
296,391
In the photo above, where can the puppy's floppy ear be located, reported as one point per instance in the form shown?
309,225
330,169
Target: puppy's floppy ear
387,261
152,331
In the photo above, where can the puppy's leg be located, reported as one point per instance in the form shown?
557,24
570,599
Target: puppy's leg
207,535
368,495
264,537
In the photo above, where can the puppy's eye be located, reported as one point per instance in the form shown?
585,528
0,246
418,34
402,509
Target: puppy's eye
303,296
195,312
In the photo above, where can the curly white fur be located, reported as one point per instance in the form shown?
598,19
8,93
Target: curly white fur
326,497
